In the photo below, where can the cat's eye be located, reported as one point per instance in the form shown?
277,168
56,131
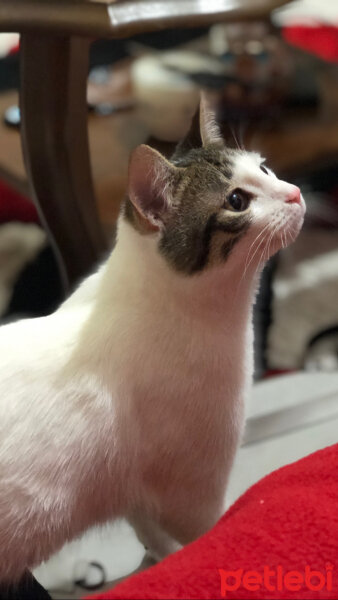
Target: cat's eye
264,169
239,200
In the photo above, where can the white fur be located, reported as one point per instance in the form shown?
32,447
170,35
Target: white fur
128,400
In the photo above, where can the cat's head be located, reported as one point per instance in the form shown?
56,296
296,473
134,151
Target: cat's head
210,204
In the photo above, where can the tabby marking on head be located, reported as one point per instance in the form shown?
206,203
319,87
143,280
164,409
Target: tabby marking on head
206,199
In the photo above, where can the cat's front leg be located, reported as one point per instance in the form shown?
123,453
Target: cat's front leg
157,542
178,525
191,517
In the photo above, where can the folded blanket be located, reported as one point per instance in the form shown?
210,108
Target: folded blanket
279,540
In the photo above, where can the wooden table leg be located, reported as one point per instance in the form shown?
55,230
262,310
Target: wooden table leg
55,143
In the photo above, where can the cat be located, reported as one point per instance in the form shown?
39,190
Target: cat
128,401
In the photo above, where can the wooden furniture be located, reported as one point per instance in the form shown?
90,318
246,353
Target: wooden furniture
55,39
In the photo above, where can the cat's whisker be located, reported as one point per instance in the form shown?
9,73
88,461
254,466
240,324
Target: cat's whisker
234,136
281,233
265,232
266,253
283,239
272,237
247,264
253,243
242,127
288,236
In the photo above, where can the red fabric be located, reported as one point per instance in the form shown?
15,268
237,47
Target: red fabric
321,40
15,49
15,207
278,372
288,520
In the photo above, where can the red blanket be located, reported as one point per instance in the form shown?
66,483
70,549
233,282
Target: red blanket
15,207
321,40
279,540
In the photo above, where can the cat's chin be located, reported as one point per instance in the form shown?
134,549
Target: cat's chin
285,236
290,230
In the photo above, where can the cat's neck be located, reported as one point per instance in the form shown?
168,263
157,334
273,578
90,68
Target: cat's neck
137,273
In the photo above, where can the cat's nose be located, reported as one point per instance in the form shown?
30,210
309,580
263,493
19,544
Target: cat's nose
293,196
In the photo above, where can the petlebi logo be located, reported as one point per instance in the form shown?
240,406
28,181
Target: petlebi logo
276,579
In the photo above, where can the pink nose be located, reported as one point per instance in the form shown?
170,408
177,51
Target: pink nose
294,195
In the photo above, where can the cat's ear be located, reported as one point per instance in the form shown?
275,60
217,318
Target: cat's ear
150,182
192,139
209,130
203,130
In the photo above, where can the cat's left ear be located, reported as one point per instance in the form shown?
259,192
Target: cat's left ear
150,184
203,131
209,129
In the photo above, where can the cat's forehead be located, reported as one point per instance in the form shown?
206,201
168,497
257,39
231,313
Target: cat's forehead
232,163
246,164
214,155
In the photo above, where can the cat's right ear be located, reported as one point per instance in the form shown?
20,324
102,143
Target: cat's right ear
150,183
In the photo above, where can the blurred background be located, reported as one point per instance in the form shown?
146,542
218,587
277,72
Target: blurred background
273,81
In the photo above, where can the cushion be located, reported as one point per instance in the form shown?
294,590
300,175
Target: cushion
279,540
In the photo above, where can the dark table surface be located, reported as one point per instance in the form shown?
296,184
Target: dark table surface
122,18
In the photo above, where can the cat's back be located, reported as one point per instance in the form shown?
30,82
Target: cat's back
23,342
32,353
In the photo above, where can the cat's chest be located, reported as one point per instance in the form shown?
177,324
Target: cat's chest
179,351
179,367
186,408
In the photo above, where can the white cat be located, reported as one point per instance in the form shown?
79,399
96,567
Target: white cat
129,399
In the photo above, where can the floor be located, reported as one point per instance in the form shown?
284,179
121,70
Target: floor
288,418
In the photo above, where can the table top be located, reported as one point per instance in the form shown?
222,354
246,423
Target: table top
123,18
